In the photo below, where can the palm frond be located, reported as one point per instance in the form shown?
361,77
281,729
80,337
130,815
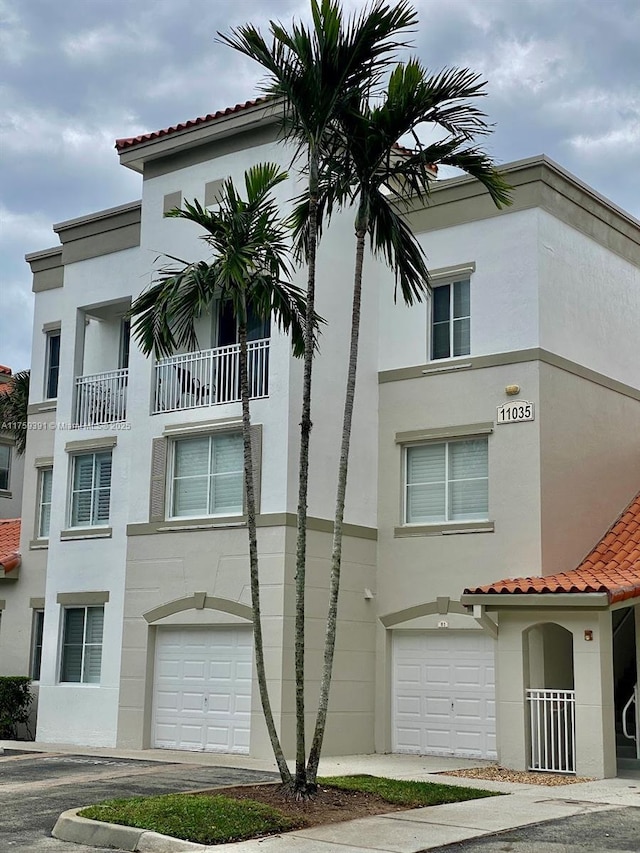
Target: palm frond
14,403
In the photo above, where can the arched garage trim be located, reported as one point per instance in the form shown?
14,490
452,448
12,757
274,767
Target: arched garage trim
441,606
199,601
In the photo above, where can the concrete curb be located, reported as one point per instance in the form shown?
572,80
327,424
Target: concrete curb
95,833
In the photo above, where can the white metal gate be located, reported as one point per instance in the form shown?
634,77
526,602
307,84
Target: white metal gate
552,730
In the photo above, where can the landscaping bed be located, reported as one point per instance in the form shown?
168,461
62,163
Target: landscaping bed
524,777
252,811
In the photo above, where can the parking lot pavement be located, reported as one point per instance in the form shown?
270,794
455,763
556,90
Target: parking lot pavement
616,831
35,789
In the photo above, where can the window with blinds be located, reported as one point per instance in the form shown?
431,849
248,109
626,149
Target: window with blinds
447,481
207,476
451,320
81,660
44,509
91,489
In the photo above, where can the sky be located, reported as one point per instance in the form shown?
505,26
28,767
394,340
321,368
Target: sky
563,79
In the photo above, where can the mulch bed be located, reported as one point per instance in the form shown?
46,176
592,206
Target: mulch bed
329,805
524,777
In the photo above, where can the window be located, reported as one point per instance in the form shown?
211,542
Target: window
451,320
5,466
125,343
91,490
207,476
36,647
447,481
82,644
44,509
257,328
53,365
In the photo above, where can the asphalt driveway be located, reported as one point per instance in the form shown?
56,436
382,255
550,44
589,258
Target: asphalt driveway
36,788
616,831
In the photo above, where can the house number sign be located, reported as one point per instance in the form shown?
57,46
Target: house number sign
511,413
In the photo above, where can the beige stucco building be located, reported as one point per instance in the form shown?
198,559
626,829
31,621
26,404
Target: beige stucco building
496,434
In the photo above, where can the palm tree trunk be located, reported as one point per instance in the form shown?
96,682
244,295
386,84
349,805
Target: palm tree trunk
285,774
336,553
303,485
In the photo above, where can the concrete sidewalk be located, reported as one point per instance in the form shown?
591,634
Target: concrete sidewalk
399,832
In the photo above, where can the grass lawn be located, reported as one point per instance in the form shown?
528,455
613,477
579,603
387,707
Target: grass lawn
214,819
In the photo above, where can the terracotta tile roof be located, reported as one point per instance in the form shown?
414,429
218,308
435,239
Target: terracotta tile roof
9,544
130,142
612,567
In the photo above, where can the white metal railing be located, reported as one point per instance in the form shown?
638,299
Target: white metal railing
209,377
632,704
552,720
101,398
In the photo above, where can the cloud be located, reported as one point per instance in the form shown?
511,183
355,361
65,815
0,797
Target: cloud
516,67
104,42
15,44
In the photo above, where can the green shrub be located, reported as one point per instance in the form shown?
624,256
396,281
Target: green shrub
15,701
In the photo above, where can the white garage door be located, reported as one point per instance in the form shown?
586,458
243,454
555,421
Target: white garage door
202,690
444,693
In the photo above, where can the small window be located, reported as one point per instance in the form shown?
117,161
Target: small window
207,476
53,365
91,490
451,320
36,644
447,481
44,509
82,645
5,466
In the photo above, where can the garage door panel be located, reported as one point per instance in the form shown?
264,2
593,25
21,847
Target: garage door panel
450,708
202,696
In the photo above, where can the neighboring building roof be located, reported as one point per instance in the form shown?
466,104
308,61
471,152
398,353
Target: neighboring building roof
5,374
130,142
9,544
612,567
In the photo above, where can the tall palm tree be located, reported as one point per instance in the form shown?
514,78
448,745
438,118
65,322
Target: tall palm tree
14,400
366,168
315,72
249,268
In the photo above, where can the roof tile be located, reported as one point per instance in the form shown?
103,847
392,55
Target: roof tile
130,142
9,543
613,566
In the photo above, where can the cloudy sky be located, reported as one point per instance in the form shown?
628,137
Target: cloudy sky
563,79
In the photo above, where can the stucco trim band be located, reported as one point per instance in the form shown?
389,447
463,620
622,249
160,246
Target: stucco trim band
36,603
42,408
443,432
86,533
202,426
276,519
480,362
441,274
43,462
89,444
199,601
568,600
450,529
82,599
3,604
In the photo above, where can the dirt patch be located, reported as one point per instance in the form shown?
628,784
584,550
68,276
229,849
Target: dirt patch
330,805
524,777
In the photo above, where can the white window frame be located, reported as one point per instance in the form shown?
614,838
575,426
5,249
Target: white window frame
450,283
169,508
48,469
447,442
9,447
53,333
72,491
85,644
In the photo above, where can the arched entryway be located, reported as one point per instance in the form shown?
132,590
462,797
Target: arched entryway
551,698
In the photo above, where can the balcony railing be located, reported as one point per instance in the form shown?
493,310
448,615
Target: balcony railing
209,377
101,398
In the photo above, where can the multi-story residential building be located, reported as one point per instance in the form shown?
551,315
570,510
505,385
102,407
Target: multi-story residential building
11,463
496,433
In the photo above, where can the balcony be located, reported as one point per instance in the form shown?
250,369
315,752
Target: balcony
101,398
209,377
